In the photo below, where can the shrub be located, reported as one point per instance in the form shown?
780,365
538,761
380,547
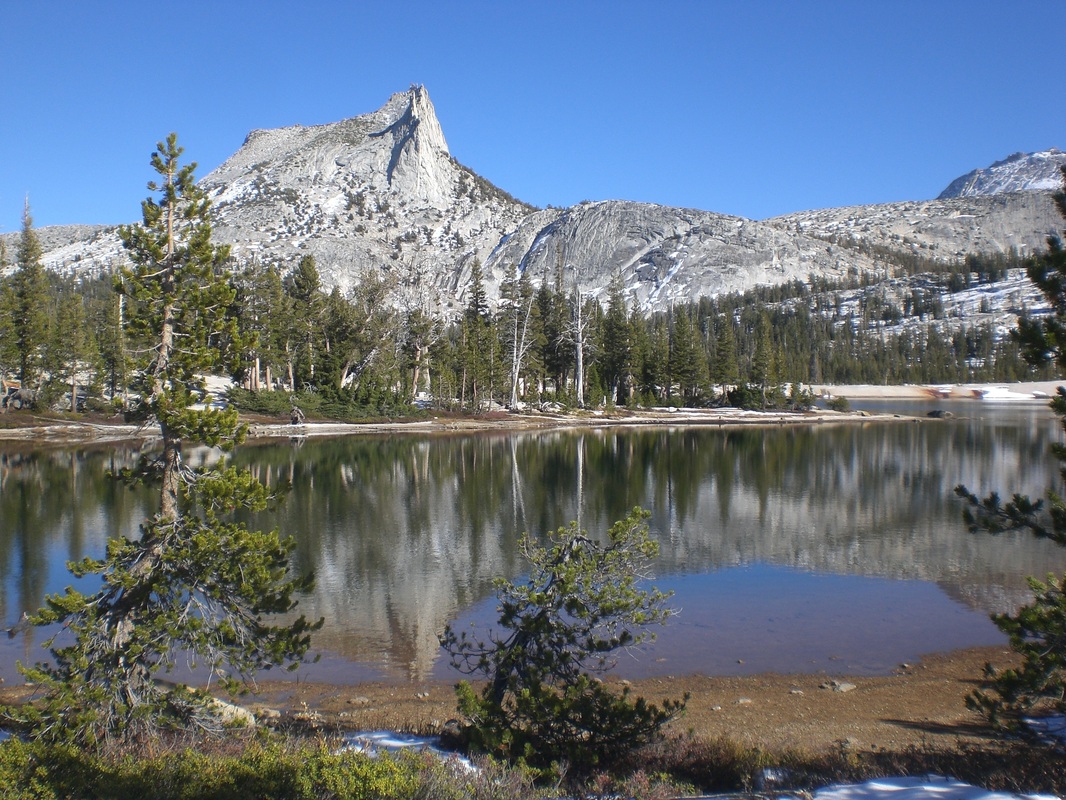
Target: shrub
580,604
839,403
275,770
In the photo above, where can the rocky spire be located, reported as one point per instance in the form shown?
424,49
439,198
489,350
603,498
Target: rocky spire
419,153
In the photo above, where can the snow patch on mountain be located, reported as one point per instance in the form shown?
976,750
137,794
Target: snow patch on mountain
1020,172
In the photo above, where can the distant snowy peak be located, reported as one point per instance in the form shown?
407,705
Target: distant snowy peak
1021,172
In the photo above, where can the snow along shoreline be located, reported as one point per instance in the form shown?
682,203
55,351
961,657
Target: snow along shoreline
57,432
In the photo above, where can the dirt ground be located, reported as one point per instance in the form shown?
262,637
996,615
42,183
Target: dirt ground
922,704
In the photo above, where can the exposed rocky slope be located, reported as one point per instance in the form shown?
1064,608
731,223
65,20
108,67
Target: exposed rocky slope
1021,172
381,192
940,230
666,254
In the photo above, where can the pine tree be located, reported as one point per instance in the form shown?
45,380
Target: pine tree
111,343
656,376
688,368
70,349
30,304
9,356
726,369
274,314
479,352
304,289
616,342
764,361
640,354
557,352
582,602
357,329
197,584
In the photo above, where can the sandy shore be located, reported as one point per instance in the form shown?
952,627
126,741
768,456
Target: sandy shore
921,704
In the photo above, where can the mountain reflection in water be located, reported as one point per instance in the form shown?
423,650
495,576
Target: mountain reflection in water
829,547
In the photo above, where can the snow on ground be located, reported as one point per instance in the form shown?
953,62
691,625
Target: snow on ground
374,742
925,788
929,787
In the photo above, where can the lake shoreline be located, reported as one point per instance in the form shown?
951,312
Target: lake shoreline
919,704
59,430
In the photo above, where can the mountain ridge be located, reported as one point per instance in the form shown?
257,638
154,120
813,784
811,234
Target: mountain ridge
381,192
1018,172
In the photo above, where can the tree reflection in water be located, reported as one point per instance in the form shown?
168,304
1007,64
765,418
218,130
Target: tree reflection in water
756,526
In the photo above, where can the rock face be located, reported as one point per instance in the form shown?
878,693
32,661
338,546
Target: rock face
381,192
941,230
1021,172
666,254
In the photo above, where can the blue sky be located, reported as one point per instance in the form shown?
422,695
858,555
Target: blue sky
749,108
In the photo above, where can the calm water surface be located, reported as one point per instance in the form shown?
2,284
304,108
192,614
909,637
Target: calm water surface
834,548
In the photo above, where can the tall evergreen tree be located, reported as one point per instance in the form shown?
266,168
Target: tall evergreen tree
557,352
726,368
688,368
30,304
197,584
479,354
111,342
304,288
764,360
616,342
357,329
656,376
71,349
9,355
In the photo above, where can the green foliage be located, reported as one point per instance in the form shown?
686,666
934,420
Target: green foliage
179,291
580,604
197,584
30,304
750,396
1038,630
616,342
365,402
799,399
307,772
1038,633
839,403
203,599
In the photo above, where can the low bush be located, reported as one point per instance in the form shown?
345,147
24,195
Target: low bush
752,397
678,765
275,770
839,403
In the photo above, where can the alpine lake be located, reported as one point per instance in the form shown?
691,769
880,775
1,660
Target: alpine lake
835,548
